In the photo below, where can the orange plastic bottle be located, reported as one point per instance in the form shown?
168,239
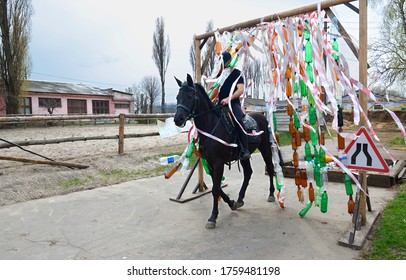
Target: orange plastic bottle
298,138
306,132
295,159
303,177
293,141
291,126
290,109
351,205
340,140
172,171
311,192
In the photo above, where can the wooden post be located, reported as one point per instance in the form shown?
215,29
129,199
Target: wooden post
121,118
363,78
198,79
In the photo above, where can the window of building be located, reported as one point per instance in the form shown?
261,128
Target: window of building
100,107
122,105
77,106
24,106
49,102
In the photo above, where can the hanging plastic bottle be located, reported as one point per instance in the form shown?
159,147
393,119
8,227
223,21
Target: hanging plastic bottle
334,46
317,175
314,137
321,137
306,131
288,88
312,115
306,209
296,121
316,156
290,109
309,72
298,178
293,142
295,84
310,172
295,159
169,159
291,126
306,30
303,178
206,166
298,138
350,205
308,152
340,139
190,148
322,157
275,124
324,202
348,184
303,88
308,52
278,185
311,192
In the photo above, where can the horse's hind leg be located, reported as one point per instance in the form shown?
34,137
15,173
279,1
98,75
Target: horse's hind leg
266,153
217,174
246,165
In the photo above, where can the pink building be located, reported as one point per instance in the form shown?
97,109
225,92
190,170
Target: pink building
44,98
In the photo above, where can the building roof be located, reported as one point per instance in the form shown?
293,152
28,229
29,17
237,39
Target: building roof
64,88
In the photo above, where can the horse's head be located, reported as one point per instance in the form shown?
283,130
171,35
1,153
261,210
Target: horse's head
187,100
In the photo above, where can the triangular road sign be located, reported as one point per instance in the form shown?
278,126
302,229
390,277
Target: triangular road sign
362,154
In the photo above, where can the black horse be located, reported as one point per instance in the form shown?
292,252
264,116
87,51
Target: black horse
193,102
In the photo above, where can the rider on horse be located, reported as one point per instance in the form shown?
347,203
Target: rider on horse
224,98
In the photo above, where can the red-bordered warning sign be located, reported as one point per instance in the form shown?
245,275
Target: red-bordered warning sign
362,154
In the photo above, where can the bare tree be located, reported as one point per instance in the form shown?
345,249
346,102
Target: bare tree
161,52
15,32
149,86
206,53
388,54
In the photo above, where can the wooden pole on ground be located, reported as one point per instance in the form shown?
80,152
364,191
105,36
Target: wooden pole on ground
363,78
71,165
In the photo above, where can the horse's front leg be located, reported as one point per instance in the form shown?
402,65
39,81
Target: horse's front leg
217,174
247,170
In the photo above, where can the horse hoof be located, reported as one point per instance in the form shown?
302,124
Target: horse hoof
271,198
240,204
211,225
234,205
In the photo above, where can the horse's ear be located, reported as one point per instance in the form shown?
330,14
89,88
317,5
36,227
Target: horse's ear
190,81
179,82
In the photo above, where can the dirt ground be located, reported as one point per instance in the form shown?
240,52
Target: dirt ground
25,181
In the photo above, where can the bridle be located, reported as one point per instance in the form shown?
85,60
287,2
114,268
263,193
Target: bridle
191,112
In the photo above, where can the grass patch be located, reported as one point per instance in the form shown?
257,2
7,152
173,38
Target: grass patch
389,238
285,138
75,182
397,142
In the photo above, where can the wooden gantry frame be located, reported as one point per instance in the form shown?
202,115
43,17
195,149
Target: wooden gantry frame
361,54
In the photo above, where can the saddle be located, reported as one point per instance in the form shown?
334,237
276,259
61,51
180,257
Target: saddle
249,124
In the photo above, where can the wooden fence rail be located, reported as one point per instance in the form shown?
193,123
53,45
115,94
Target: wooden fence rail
121,135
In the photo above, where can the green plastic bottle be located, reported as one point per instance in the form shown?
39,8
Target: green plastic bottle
303,88
309,71
306,209
322,156
312,115
308,52
308,152
275,126
296,121
348,184
334,46
316,156
324,202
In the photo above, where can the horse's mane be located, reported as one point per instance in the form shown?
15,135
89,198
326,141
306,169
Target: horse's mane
204,94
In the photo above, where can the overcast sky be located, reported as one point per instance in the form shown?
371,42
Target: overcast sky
109,43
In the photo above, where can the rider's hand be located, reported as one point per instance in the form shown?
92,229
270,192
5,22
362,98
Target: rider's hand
225,101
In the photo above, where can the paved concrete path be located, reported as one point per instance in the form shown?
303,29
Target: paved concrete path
137,220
